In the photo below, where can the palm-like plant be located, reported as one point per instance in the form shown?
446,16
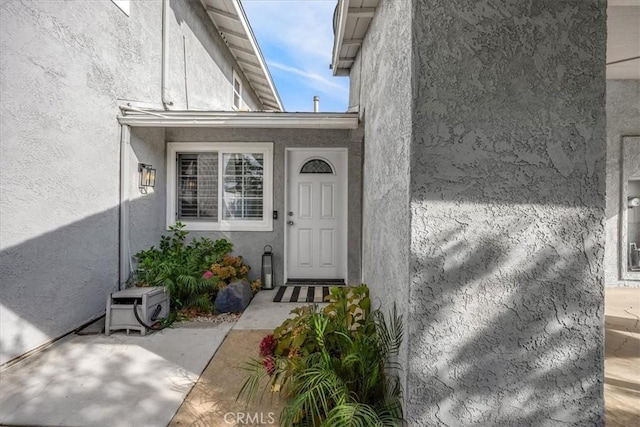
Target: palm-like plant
348,378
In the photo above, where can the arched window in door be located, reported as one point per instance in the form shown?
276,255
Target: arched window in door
316,166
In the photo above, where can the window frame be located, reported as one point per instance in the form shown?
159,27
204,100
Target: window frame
630,170
176,148
237,78
123,5
313,159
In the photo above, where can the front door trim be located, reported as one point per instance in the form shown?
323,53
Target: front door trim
343,204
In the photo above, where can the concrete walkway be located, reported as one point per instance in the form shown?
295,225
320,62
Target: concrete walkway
111,381
129,380
171,378
212,402
622,357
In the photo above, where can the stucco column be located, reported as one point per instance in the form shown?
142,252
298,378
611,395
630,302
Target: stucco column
507,201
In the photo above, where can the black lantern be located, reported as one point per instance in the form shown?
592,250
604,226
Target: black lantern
147,175
267,268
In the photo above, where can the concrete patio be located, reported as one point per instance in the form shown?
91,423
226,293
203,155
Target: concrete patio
121,380
187,376
118,380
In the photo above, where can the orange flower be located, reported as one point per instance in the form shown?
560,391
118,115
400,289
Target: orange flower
293,352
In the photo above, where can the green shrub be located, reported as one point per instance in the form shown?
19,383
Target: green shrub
334,365
183,268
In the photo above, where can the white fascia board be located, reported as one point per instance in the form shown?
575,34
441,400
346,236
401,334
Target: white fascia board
342,11
182,119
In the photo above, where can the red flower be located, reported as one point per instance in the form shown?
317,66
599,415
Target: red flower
267,345
269,365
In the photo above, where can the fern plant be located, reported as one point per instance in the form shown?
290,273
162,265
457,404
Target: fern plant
183,268
336,365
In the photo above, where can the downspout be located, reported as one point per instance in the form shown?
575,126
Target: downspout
124,261
165,57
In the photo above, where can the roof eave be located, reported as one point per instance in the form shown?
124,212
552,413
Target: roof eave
272,101
339,22
346,23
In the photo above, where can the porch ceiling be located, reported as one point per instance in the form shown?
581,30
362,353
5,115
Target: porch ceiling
229,18
241,119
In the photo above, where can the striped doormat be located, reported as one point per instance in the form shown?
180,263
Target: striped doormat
301,293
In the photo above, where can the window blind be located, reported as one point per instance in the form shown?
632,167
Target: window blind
243,186
198,186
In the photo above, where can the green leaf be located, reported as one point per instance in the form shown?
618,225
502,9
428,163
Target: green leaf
344,376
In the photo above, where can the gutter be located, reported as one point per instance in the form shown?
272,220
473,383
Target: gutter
124,261
238,119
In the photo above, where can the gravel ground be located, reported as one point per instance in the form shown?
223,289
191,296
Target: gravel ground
216,318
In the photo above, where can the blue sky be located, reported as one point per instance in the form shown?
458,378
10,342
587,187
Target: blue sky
296,39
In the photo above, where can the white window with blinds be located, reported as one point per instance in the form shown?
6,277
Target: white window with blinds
220,186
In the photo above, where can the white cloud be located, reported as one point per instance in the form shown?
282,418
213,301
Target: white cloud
304,26
296,37
327,82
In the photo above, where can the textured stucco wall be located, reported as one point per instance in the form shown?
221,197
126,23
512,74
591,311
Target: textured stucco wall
148,213
202,76
63,68
507,203
623,118
147,146
380,82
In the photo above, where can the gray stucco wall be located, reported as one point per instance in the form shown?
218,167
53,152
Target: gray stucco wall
147,212
147,146
623,118
507,202
202,77
64,67
380,82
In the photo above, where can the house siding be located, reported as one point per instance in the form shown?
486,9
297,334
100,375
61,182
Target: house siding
623,118
147,214
65,68
201,77
380,82
502,167
507,204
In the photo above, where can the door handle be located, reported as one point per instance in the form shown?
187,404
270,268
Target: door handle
289,222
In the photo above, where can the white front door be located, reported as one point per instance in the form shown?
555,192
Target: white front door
316,214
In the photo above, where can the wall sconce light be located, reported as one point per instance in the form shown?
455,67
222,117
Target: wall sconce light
147,176
633,202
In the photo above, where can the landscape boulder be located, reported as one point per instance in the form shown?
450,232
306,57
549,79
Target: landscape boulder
233,298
